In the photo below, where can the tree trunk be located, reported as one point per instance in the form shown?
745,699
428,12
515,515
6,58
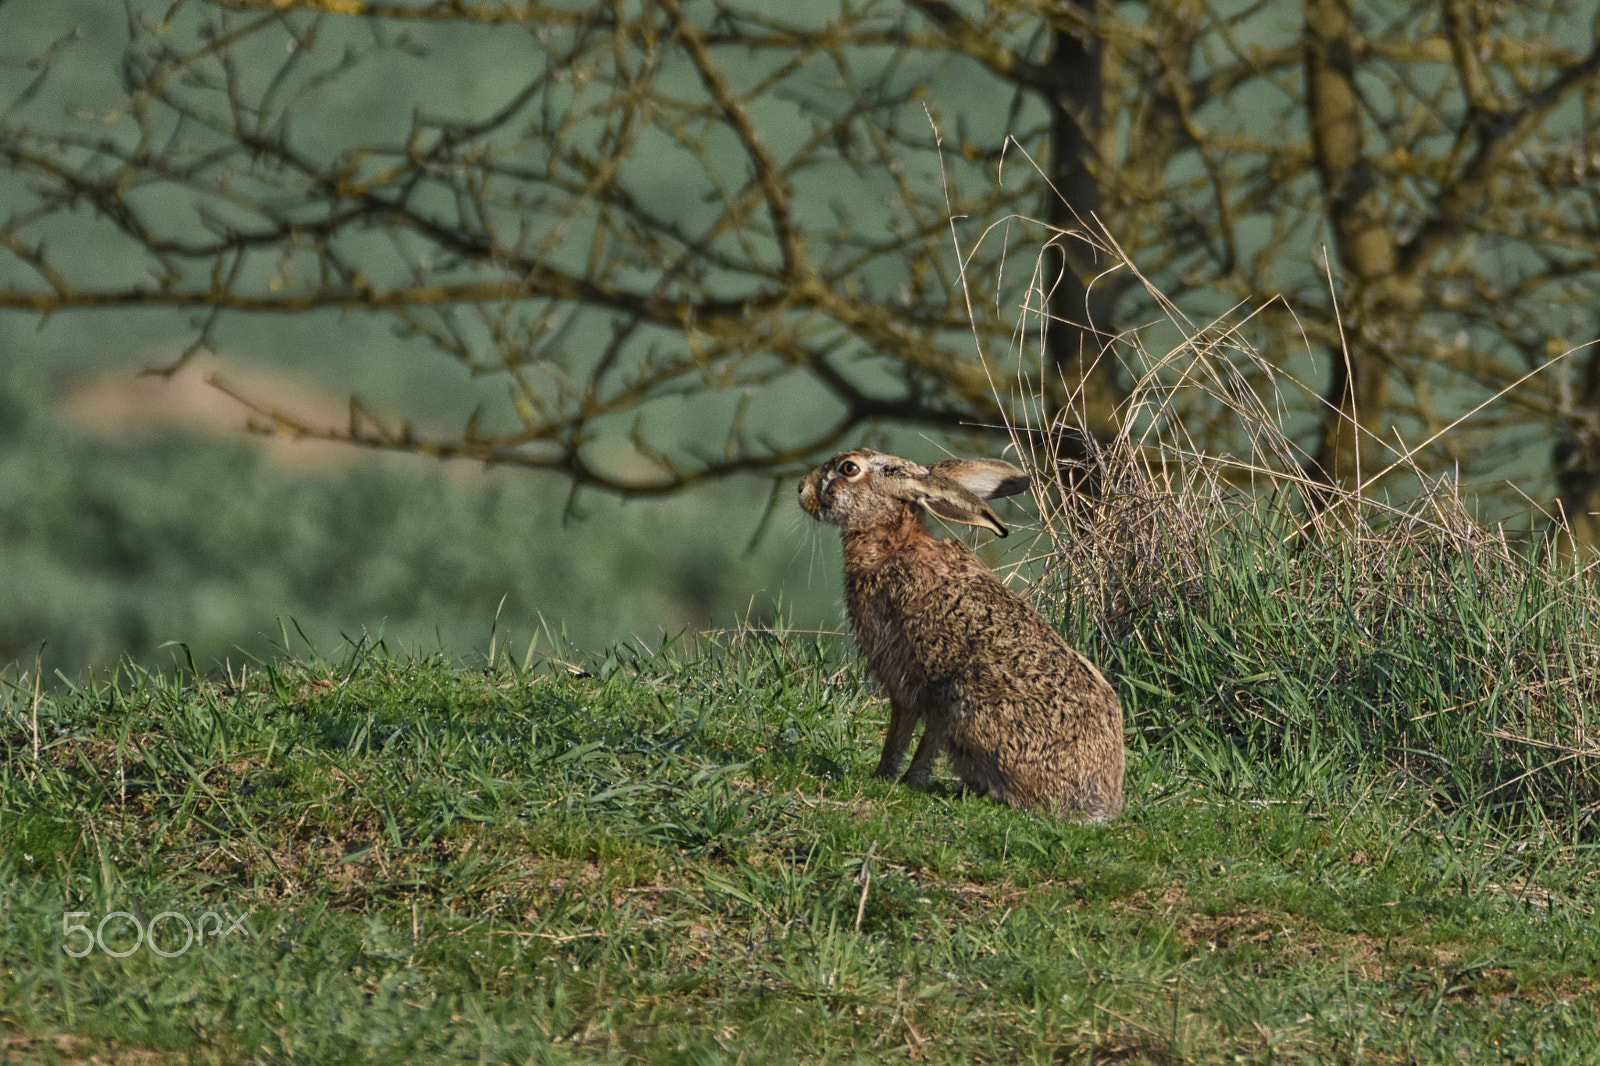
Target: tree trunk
1576,462
1082,392
1358,393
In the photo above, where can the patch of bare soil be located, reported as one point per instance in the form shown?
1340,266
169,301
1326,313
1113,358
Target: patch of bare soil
126,404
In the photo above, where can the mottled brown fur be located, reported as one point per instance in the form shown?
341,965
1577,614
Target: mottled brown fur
1027,720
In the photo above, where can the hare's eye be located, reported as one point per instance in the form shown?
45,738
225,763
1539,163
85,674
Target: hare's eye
849,468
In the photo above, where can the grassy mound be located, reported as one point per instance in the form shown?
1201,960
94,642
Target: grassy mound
680,857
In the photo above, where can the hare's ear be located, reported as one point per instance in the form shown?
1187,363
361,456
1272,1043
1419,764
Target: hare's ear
939,494
974,480
947,499
984,478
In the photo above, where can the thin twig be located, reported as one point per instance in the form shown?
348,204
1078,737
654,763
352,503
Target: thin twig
866,883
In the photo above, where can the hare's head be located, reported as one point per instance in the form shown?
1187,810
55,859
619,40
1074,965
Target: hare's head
864,489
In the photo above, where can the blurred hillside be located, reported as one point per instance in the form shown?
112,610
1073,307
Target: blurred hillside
118,541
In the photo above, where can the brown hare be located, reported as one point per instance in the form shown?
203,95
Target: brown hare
1027,720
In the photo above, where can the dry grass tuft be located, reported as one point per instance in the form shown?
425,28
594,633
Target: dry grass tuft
1260,598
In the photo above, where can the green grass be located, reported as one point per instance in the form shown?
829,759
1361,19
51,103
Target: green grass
1327,855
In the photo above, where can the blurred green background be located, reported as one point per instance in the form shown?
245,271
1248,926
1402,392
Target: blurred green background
129,523
125,527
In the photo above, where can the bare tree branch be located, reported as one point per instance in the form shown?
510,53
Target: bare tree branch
697,239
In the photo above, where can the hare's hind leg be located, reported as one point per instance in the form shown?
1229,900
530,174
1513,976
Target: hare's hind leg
902,723
981,776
